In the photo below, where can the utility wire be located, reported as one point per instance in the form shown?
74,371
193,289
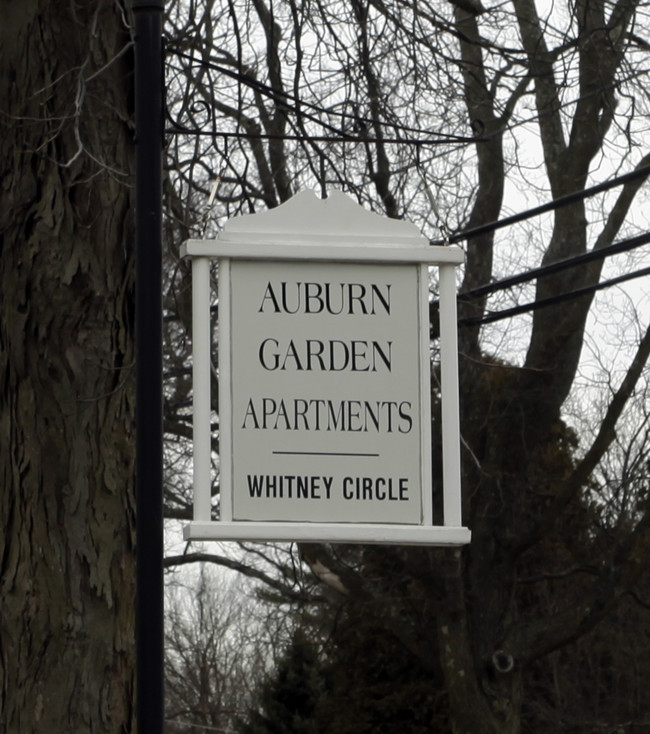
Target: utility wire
467,234
499,285
558,266
545,270
552,301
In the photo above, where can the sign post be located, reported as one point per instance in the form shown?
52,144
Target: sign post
324,378
149,379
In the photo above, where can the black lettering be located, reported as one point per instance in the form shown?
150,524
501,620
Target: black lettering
250,412
336,299
354,414
285,305
317,414
302,487
336,421
274,355
374,416
268,409
391,494
270,295
405,406
300,408
358,351
386,358
271,486
344,355
313,296
315,349
385,300
318,404
366,484
403,489
328,300
315,486
254,485
282,414
292,354
380,494
359,297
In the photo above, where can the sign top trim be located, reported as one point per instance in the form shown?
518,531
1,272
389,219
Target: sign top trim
332,229
267,249
337,217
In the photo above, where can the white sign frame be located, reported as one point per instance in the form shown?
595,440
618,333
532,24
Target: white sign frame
335,230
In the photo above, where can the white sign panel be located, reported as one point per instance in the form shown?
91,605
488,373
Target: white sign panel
324,378
326,392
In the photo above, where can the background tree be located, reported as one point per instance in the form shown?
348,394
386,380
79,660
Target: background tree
66,351
404,102
216,652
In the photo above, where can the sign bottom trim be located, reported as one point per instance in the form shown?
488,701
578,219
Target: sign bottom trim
309,532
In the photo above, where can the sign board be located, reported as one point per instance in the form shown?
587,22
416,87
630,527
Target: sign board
326,392
324,378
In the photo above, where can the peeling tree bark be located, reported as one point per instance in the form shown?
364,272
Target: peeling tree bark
66,397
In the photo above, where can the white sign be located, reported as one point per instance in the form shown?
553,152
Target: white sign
326,392
324,378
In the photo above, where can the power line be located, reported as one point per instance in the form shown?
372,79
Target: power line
552,205
552,301
544,270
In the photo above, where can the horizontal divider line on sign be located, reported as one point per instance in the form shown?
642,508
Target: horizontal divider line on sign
322,453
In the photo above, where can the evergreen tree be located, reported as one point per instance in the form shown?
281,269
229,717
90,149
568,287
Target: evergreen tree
289,701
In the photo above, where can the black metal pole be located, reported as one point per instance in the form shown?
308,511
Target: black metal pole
149,400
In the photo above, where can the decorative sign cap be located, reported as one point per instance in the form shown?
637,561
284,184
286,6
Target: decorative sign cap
337,218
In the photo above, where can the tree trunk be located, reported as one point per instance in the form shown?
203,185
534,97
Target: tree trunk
66,352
